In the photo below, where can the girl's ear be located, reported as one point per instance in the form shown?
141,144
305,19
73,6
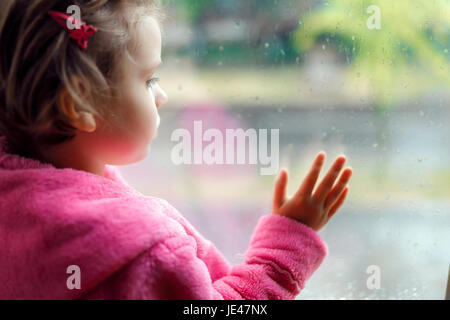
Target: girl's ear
88,122
82,120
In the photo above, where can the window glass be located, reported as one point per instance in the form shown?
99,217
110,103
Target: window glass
369,79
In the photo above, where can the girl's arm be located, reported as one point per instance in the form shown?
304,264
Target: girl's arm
284,251
282,255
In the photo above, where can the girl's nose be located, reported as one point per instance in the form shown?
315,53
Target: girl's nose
161,97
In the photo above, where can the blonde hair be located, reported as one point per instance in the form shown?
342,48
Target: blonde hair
38,60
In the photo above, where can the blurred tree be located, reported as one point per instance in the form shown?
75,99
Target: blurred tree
192,9
268,26
406,54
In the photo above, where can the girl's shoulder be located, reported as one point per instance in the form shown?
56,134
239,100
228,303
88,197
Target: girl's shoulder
56,218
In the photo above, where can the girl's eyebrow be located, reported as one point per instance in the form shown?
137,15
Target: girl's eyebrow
156,66
151,69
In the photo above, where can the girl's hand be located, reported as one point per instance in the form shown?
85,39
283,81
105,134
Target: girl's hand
313,209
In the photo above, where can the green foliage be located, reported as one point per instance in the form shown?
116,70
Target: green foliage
193,9
407,55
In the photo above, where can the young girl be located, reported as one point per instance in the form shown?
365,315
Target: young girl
78,98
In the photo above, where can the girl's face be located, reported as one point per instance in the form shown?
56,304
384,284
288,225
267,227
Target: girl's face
133,121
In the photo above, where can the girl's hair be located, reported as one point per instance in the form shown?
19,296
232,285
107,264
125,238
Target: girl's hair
38,60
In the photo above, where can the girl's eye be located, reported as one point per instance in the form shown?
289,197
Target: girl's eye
151,82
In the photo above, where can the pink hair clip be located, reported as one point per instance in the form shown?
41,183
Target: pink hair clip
81,32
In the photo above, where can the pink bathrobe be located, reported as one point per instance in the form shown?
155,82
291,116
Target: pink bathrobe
131,246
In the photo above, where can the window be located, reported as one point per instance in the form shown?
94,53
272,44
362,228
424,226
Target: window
355,77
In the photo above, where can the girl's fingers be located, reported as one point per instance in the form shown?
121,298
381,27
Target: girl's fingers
338,188
280,189
310,180
327,183
339,202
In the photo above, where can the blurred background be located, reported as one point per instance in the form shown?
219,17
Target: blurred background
331,77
